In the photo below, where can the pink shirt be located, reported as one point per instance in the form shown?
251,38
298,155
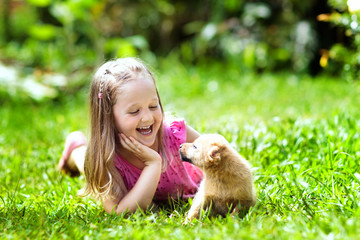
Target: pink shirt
181,179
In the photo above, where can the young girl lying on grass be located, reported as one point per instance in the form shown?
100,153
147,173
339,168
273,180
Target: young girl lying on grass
132,156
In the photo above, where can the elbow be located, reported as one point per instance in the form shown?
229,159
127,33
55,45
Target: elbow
116,209
125,206
130,209
111,209
124,209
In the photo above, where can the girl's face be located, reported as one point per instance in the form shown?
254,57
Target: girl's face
137,111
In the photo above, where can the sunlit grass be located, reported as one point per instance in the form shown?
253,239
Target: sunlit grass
301,135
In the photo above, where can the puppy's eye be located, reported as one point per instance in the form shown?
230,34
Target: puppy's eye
194,146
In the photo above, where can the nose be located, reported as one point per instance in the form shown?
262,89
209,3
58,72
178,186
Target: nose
147,116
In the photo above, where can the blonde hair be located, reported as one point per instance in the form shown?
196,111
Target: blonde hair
103,180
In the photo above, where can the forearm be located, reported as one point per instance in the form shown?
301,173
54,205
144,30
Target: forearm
142,193
191,134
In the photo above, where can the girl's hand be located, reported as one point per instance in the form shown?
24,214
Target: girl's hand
142,152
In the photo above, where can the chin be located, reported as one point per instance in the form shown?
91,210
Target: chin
149,144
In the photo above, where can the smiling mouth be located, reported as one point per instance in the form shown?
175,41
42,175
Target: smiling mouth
145,130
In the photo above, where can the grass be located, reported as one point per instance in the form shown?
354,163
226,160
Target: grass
301,135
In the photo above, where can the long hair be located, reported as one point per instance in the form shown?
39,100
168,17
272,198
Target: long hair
103,180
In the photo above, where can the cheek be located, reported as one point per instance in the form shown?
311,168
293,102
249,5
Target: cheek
123,124
197,158
116,122
194,154
191,152
159,116
117,125
202,156
158,119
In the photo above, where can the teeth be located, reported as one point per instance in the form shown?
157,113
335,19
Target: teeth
145,128
148,132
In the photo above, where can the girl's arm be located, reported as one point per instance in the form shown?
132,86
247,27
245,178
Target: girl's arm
141,195
191,134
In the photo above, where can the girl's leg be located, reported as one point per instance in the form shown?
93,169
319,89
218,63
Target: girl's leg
73,156
75,163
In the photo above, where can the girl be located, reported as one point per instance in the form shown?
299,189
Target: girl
132,157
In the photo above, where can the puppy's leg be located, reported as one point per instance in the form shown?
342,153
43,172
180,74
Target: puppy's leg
194,211
242,208
196,206
235,211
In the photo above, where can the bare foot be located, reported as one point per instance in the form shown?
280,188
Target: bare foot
73,140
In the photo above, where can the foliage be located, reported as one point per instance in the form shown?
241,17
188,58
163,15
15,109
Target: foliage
68,34
75,34
260,35
42,38
301,136
345,58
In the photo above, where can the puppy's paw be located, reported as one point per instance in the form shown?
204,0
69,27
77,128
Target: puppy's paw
187,222
190,217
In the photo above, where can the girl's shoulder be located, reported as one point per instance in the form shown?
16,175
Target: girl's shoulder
175,129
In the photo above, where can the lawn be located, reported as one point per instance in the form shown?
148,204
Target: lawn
301,135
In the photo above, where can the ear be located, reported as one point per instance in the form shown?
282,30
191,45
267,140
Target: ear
214,154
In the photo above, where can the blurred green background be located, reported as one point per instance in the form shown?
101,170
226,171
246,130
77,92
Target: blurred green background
49,48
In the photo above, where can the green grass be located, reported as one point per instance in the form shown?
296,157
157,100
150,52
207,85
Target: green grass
301,135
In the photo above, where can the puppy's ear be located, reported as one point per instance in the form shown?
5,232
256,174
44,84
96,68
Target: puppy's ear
214,154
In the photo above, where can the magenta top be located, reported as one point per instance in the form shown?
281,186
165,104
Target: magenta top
181,179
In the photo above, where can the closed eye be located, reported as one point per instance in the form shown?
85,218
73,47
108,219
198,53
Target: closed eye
194,146
153,107
134,112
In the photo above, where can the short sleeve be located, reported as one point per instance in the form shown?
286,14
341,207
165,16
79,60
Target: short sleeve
178,130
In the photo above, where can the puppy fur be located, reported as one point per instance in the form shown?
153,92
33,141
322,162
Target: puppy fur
227,182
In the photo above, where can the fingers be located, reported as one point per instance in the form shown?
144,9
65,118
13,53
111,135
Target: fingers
142,152
125,142
130,143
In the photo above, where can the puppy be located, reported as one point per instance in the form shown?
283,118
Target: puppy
227,185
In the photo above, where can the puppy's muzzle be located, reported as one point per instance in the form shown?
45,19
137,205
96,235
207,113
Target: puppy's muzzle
183,156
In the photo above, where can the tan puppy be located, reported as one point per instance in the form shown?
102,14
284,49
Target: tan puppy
227,182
